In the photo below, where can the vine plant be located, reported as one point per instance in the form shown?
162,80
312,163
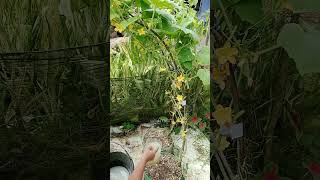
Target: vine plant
172,28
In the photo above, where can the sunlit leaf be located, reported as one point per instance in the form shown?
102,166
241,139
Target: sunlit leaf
203,56
185,55
204,75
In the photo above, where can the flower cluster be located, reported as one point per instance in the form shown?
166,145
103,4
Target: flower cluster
224,55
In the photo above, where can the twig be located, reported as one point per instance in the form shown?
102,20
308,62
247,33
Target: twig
259,53
235,98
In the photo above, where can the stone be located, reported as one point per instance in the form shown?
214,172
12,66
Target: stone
116,130
196,158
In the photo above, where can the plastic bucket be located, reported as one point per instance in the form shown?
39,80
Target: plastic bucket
119,159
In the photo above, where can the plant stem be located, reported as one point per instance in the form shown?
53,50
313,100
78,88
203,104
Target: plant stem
236,106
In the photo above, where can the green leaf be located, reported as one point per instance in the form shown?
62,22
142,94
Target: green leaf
129,21
113,14
143,4
187,65
185,55
204,75
305,5
188,31
177,130
147,177
301,46
162,13
167,27
249,10
204,56
163,119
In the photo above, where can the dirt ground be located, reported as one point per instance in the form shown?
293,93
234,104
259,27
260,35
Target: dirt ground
168,168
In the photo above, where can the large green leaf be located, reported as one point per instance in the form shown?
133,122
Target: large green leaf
143,4
187,65
188,31
166,27
203,56
204,75
305,5
185,55
302,46
162,13
249,10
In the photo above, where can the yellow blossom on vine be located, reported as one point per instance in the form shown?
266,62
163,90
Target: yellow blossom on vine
178,84
130,27
118,27
179,106
173,122
141,32
167,42
180,98
183,133
183,120
223,143
162,69
226,53
113,22
218,77
150,24
223,115
180,78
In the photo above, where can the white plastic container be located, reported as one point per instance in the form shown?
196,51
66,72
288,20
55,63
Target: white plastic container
119,173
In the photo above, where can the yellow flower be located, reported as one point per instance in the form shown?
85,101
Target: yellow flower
178,85
141,32
167,42
173,122
180,98
183,120
226,54
118,27
162,69
223,115
183,134
130,27
179,106
223,144
219,75
180,78
113,22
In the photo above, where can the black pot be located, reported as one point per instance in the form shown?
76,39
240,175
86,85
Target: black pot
121,159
